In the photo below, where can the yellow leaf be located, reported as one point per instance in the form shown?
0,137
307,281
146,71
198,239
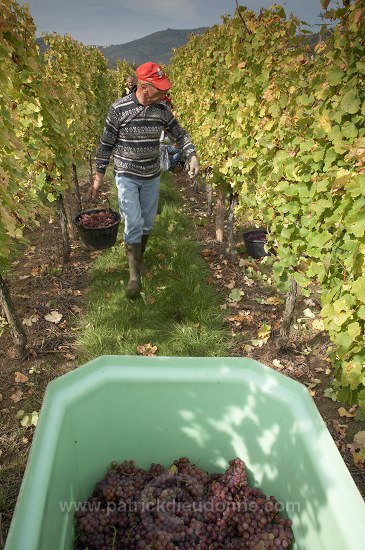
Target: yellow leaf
274,300
22,378
264,331
34,418
173,469
17,396
359,439
357,449
343,412
54,317
308,313
247,348
30,320
318,324
147,349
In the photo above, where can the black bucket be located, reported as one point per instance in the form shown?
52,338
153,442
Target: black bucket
254,245
98,238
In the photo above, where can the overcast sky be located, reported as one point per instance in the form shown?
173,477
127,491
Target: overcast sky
106,22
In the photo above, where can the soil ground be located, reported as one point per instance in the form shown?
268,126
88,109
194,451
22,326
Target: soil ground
38,287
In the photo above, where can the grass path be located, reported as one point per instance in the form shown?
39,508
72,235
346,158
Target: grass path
179,311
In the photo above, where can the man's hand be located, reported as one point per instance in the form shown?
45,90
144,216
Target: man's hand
95,186
193,167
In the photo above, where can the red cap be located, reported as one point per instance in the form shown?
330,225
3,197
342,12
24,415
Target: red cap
151,72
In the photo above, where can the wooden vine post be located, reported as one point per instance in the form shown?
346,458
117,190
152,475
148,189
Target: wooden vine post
219,220
230,227
16,328
291,300
209,200
64,230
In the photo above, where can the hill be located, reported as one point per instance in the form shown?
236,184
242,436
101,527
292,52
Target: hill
157,47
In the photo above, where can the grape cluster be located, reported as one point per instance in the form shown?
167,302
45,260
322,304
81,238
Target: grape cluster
256,237
97,219
182,507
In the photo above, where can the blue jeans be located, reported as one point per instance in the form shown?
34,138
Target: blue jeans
138,202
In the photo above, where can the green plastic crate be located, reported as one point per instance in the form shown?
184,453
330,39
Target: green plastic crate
156,409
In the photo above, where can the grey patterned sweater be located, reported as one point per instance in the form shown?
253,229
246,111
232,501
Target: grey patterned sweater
132,135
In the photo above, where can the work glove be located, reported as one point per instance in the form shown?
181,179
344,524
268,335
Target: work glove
193,167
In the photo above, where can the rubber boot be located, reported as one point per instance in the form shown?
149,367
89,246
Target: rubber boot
144,243
134,257
143,248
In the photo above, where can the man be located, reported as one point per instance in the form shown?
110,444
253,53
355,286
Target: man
129,85
132,134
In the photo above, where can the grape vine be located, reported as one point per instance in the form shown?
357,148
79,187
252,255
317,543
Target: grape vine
281,124
53,107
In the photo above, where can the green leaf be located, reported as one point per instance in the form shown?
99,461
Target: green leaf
353,375
335,76
351,102
318,155
356,224
236,294
305,100
356,187
316,269
250,99
349,130
317,241
274,110
335,133
344,394
301,279
361,312
51,197
41,180
341,312
358,288
283,101
343,343
330,393
306,145
353,329
330,157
